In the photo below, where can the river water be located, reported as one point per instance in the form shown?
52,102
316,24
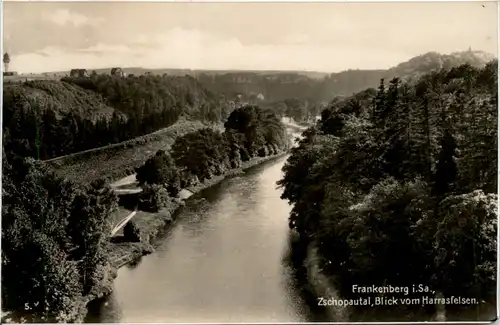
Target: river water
224,261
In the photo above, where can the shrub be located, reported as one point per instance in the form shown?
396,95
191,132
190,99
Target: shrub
236,159
160,169
153,198
203,153
131,232
188,179
263,152
245,156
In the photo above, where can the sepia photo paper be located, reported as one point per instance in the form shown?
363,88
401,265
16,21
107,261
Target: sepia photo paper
249,162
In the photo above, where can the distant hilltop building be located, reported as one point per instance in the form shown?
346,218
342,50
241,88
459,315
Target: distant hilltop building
6,61
78,73
118,72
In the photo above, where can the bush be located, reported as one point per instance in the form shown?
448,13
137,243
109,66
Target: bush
160,169
153,198
245,156
273,149
263,152
203,153
236,159
131,232
188,179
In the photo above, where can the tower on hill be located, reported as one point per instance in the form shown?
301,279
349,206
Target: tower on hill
6,61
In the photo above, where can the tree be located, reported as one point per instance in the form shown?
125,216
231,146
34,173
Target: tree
131,232
49,142
153,198
446,169
160,169
89,228
379,106
204,153
259,126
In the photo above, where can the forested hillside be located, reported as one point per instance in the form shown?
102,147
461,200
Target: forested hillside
60,97
283,86
399,185
46,119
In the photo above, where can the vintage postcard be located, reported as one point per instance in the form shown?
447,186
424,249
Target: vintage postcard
249,162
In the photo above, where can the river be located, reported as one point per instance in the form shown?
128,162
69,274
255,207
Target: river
224,261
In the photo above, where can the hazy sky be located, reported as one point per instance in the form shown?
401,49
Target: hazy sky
295,36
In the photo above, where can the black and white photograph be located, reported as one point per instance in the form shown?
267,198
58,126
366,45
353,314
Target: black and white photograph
249,162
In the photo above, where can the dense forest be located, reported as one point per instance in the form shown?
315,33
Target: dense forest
398,185
45,119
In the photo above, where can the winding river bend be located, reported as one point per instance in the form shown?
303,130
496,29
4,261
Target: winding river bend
224,261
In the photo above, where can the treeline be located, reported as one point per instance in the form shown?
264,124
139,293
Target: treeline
54,238
249,132
34,128
399,185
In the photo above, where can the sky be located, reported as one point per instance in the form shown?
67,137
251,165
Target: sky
328,37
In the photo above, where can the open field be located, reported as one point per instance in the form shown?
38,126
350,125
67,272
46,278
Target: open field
119,160
23,77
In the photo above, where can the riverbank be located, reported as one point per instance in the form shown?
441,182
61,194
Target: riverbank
152,225
322,287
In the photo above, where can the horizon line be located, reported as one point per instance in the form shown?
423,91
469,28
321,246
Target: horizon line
495,55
